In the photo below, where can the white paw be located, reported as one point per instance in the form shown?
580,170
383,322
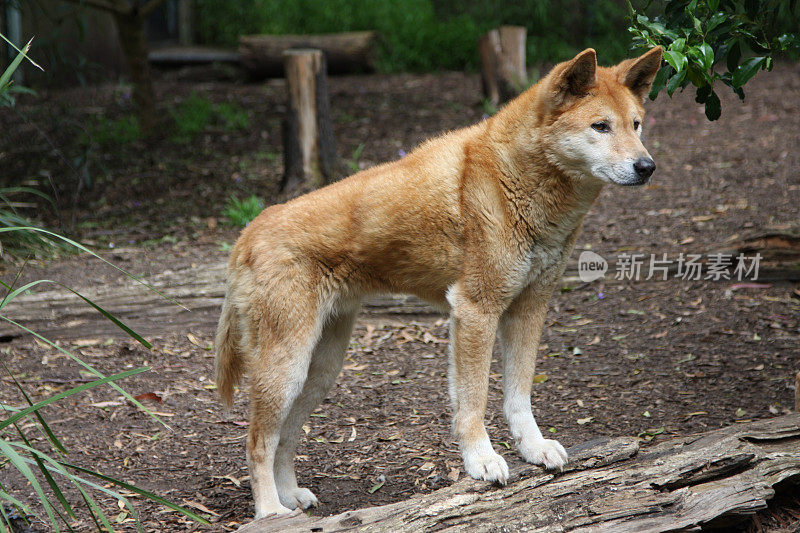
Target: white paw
487,466
272,509
299,497
549,453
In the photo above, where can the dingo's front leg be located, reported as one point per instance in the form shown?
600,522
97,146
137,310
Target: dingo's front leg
472,332
520,330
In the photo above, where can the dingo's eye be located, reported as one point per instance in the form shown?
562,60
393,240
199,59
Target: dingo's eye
636,124
601,126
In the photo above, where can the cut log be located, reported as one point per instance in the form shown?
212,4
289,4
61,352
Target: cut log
716,479
309,152
502,54
262,55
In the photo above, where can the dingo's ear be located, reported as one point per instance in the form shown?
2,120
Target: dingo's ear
578,75
638,74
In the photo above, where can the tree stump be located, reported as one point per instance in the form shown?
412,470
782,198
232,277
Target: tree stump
309,149
502,53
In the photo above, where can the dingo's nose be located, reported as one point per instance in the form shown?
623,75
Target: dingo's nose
644,167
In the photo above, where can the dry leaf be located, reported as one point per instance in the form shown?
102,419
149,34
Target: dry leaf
582,421
594,341
352,436
454,474
200,507
427,338
148,396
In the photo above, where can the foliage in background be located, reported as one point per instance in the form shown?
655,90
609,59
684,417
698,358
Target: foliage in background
196,113
241,212
726,41
106,132
421,35
18,243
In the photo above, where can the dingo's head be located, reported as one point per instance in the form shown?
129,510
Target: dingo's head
591,117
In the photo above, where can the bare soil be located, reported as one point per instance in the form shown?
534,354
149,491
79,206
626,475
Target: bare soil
648,358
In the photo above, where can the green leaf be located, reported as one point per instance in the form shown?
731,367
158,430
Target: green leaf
660,81
678,45
713,5
703,92
706,56
675,82
715,20
713,106
676,60
747,70
734,55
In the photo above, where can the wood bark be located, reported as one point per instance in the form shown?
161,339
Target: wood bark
716,480
262,55
129,19
310,159
130,27
502,55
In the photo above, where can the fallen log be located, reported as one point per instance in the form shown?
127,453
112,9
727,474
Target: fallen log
715,479
262,55
59,314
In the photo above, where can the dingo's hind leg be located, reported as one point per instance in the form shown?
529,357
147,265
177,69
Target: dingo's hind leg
284,343
326,363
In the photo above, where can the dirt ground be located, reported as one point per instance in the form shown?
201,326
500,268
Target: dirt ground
651,358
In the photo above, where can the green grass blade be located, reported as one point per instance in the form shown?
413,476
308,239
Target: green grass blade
38,405
50,435
85,249
5,496
57,467
61,468
12,45
6,76
147,494
117,322
21,465
49,478
88,367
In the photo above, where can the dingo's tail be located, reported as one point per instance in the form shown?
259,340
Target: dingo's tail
229,363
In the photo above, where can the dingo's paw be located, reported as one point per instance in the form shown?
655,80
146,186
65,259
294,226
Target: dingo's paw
299,497
271,510
486,466
549,453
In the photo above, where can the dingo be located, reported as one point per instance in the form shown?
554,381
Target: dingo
479,221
